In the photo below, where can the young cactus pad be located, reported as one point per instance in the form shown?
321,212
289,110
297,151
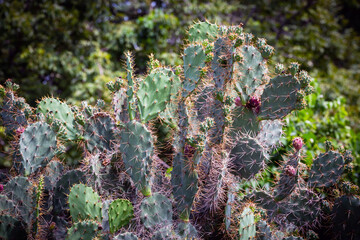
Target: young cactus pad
84,203
121,212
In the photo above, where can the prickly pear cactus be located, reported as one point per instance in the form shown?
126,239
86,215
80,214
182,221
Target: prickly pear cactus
223,111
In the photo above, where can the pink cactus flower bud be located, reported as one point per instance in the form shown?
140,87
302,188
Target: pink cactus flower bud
298,143
1,188
254,102
20,130
290,170
238,101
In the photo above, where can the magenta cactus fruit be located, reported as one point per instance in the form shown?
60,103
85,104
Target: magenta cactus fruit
290,171
1,188
254,102
298,143
238,101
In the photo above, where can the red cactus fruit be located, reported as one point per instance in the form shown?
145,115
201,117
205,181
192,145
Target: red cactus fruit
254,103
298,143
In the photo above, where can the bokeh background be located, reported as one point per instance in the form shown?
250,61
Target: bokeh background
71,48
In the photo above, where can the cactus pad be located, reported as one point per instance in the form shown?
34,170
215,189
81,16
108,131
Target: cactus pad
165,233
154,94
84,203
63,113
194,61
202,31
247,158
184,181
244,122
263,231
156,210
303,209
121,212
346,217
279,97
288,180
11,228
126,236
136,147
63,186
37,146
270,133
99,132
247,227
326,169
83,230
19,191
250,72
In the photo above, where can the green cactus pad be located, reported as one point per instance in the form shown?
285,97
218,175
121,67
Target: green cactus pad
156,210
244,122
263,231
83,230
11,228
221,65
37,146
84,203
126,236
19,190
303,209
6,205
186,230
326,169
121,211
184,181
247,158
136,147
228,210
62,189
279,97
120,106
154,94
287,182
99,133
250,72
169,115
346,217
63,113
247,227
270,133
194,61
202,31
